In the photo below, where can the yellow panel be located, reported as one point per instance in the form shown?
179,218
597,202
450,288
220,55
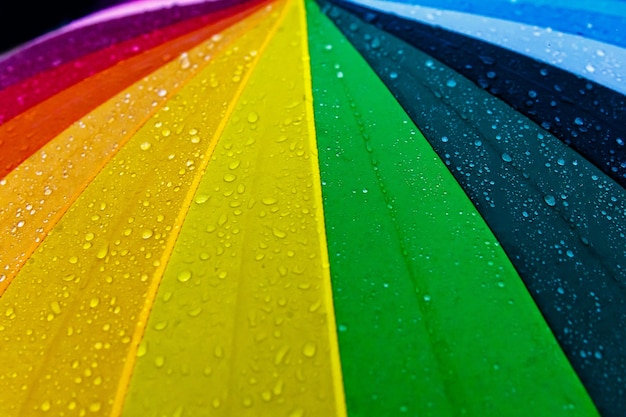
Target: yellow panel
37,193
76,311
243,323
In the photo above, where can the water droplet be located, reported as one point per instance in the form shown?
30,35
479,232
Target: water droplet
339,74
253,117
298,412
45,406
506,157
142,349
578,121
444,139
393,75
451,83
427,297
147,234
590,68
219,352
145,146
230,177
184,276
94,302
309,350
269,201
550,200
95,407
202,198
569,253
279,233
560,290
184,60
162,92
102,252
55,307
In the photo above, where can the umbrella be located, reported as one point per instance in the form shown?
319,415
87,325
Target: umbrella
314,209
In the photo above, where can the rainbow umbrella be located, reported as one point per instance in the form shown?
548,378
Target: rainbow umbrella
297,208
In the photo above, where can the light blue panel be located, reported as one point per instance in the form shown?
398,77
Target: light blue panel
603,20
597,61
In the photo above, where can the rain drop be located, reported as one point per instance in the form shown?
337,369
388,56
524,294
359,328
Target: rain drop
506,157
202,198
268,201
451,83
309,350
184,276
550,200
253,117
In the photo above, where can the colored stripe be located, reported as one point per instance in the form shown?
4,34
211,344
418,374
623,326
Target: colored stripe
28,132
242,322
597,61
23,95
75,311
591,21
586,116
130,8
560,220
433,320
35,195
53,50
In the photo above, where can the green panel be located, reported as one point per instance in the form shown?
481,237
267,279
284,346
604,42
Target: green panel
432,318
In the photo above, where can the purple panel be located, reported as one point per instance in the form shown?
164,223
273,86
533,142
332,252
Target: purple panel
68,46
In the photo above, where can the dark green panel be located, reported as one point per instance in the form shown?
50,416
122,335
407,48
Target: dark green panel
432,318
559,218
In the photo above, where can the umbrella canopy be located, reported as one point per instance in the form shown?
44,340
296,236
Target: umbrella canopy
294,208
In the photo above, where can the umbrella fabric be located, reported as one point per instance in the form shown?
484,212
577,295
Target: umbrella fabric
586,116
47,119
79,283
68,46
562,221
597,61
248,280
251,208
28,92
39,191
601,20
412,259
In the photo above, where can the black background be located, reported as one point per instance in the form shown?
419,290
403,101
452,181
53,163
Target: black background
23,20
